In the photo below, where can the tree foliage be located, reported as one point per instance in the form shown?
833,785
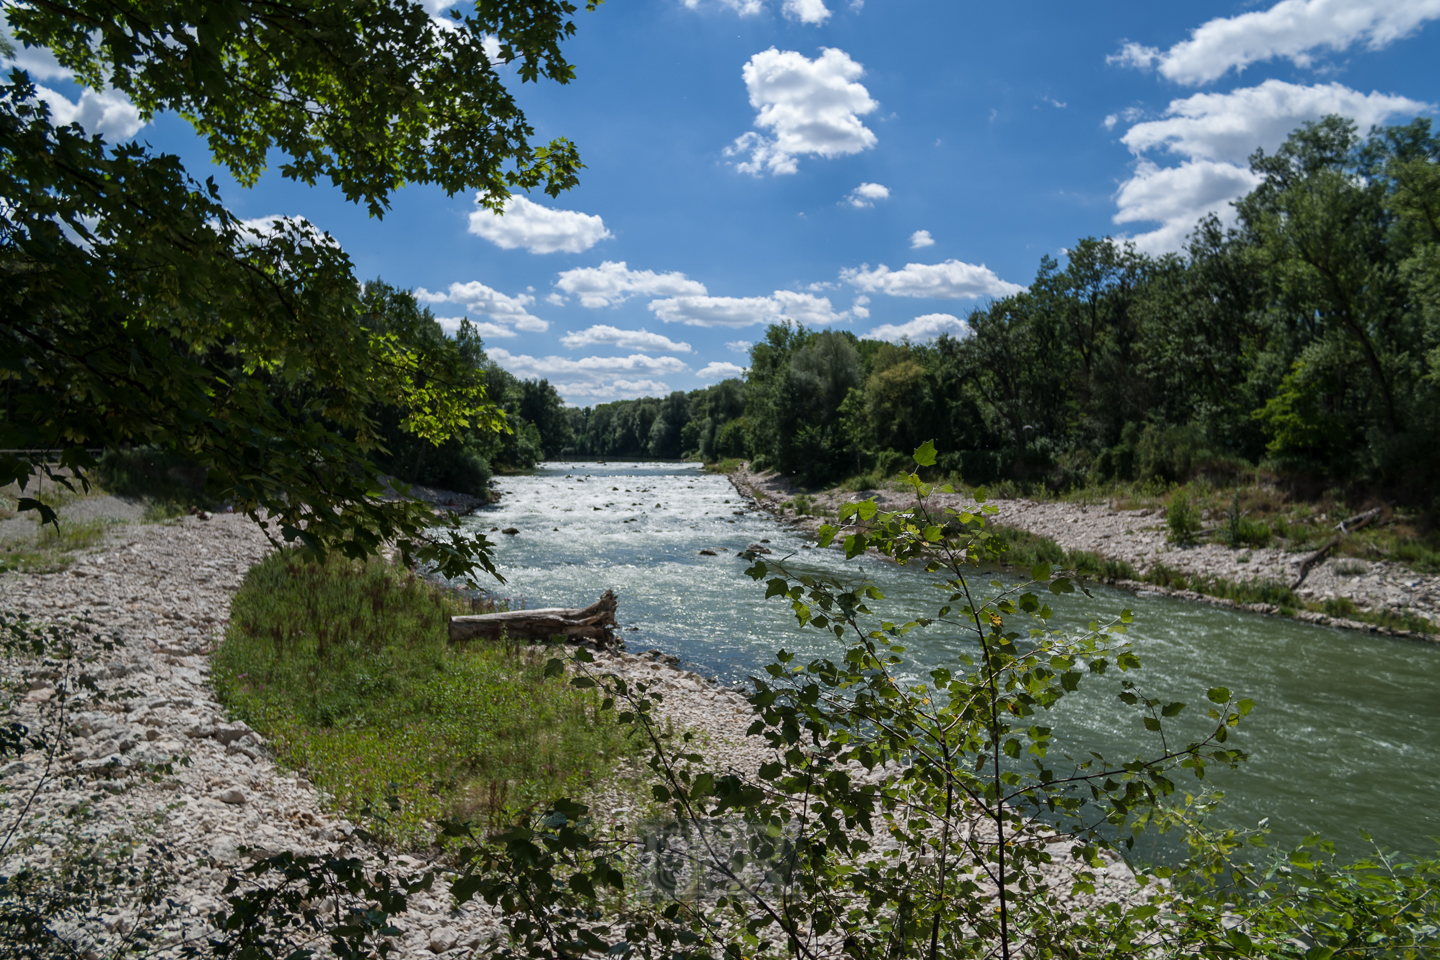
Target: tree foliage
139,311
1305,338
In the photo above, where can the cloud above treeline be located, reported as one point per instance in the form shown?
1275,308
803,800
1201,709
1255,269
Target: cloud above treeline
950,280
922,328
507,311
805,108
1292,29
782,305
537,228
623,339
1214,134
613,282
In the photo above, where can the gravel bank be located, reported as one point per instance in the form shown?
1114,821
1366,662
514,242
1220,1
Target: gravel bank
1139,538
161,769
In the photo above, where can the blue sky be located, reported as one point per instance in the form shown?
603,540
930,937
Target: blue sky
879,167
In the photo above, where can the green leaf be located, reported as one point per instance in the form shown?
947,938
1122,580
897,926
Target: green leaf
925,454
1218,695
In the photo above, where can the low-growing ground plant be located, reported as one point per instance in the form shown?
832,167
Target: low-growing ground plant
347,669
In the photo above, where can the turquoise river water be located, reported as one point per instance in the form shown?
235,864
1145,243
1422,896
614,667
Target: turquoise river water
1345,734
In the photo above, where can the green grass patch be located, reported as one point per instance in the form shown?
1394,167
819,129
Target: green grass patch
347,670
51,550
727,466
1024,550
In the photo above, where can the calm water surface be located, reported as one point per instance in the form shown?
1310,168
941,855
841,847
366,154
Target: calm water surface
1345,735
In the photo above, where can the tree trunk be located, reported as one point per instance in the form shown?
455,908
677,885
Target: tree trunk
595,622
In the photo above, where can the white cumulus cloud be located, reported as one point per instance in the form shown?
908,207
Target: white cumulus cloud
739,346
479,298
866,194
618,389
921,238
806,11
719,370
951,280
926,327
1230,126
538,229
804,308
1214,134
594,378
624,339
612,282
808,107
107,112
1292,29
745,8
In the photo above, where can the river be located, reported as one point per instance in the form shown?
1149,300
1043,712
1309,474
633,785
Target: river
1345,734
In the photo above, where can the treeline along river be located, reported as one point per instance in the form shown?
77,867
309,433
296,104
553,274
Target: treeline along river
1345,735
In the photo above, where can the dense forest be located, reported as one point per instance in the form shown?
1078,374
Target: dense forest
1304,340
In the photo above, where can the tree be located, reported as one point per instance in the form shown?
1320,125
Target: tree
138,310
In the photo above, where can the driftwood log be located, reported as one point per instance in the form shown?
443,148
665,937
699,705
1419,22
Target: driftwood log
1349,525
595,623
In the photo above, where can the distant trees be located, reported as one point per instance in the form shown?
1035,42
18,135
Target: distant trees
1305,338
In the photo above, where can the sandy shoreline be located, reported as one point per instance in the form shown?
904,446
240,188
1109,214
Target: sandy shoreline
1139,538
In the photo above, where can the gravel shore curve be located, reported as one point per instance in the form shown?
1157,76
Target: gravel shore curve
1139,538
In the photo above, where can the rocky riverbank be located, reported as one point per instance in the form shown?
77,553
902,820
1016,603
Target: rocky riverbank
1138,537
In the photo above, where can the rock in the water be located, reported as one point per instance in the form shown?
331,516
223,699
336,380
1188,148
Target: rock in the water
510,531
707,553
756,548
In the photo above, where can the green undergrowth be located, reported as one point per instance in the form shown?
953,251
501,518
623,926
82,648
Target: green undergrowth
50,550
347,670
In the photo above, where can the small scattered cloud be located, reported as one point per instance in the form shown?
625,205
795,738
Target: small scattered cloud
739,346
860,309
806,11
479,298
612,282
1214,134
1057,104
808,107
1292,29
922,328
624,339
951,280
921,239
866,194
1129,115
538,229
803,308
720,370
745,8
813,12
